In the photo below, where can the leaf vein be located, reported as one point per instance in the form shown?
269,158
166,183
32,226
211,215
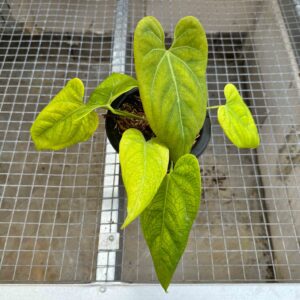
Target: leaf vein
178,97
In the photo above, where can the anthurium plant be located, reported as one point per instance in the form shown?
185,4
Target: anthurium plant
162,179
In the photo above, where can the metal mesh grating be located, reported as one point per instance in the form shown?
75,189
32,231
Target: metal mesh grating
230,238
53,205
291,14
50,201
246,229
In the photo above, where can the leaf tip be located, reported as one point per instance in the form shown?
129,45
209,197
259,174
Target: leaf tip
229,90
77,85
165,286
127,221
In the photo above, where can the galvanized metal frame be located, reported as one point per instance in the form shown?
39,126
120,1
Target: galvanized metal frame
109,239
151,291
108,235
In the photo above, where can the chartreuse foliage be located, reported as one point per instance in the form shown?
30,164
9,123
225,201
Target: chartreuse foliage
236,120
174,95
110,89
167,221
66,120
172,81
144,166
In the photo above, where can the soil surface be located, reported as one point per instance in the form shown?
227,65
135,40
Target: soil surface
134,106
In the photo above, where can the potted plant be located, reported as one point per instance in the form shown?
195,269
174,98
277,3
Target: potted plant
161,177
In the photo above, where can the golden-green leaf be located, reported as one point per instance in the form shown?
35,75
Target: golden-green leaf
237,121
167,221
111,88
172,81
144,165
65,121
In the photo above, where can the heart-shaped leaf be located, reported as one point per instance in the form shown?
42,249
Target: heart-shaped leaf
110,89
167,221
144,165
172,82
236,120
65,121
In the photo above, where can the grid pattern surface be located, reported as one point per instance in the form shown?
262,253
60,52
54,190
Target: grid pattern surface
230,238
248,226
50,202
291,14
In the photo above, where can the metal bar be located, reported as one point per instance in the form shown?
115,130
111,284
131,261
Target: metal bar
109,237
148,291
291,14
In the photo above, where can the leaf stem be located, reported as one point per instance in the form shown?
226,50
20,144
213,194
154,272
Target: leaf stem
126,114
213,107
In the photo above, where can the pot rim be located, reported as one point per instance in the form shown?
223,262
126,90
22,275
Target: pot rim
114,135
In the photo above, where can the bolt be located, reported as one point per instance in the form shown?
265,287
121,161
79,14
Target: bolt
102,289
111,238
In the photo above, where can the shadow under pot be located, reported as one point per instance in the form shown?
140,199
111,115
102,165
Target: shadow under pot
115,125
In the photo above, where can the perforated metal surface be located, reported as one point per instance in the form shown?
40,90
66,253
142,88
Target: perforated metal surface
53,205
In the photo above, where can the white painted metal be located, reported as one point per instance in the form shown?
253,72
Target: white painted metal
149,292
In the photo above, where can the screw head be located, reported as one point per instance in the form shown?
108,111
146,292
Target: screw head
111,238
102,289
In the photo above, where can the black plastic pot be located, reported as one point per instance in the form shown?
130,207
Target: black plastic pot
114,134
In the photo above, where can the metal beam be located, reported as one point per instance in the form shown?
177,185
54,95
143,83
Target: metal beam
149,292
109,237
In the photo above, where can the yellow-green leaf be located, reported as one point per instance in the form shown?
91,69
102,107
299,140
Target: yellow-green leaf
237,121
172,81
111,88
144,165
65,121
167,221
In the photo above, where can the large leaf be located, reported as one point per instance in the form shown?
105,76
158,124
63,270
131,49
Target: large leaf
236,120
144,165
167,221
65,121
110,89
172,82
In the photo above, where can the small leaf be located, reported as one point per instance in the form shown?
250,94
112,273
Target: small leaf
110,89
236,120
172,82
167,221
65,121
144,165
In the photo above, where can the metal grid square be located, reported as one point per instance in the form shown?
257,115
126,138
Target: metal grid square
50,202
291,14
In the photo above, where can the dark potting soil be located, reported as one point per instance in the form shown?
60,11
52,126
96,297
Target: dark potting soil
135,107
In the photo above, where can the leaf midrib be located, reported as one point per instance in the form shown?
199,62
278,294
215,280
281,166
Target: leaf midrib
69,115
163,215
177,94
137,206
167,54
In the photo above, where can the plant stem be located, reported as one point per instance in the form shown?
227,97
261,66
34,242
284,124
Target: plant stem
213,107
126,114
172,166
